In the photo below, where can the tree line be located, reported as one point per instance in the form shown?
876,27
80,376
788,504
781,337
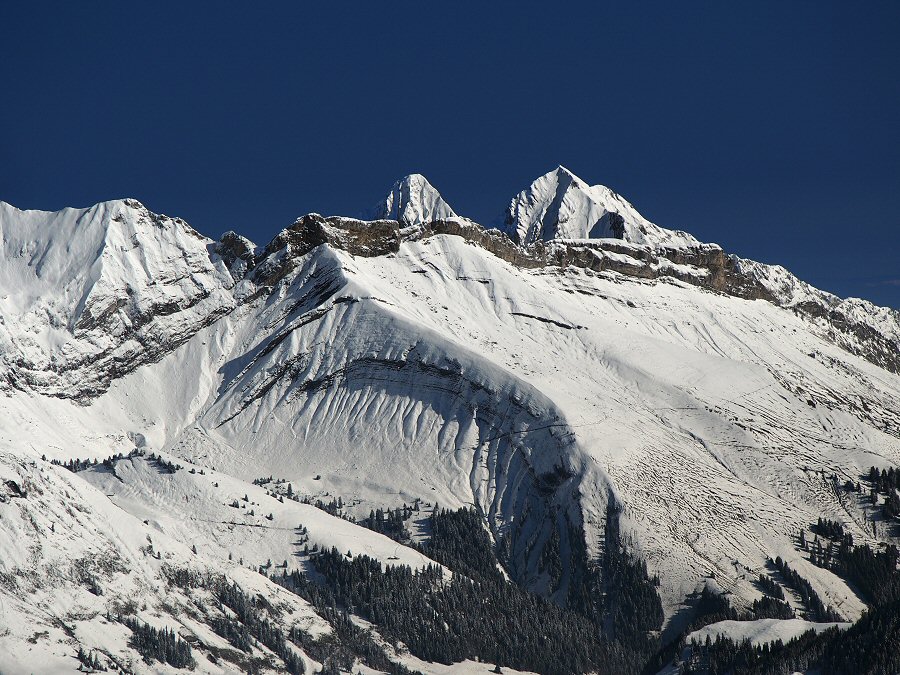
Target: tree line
871,645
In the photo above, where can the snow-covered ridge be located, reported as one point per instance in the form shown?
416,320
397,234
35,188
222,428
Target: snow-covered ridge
88,294
857,325
648,252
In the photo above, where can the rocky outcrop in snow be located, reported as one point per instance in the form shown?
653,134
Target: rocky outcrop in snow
238,253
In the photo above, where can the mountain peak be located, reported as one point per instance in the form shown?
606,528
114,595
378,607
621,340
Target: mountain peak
560,205
412,201
563,171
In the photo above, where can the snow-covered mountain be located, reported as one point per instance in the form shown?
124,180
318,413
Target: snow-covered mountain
87,295
600,365
412,201
559,205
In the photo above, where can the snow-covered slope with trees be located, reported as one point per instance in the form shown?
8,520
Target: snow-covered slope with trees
708,407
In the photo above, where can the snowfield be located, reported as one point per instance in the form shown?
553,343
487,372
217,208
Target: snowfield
761,631
432,370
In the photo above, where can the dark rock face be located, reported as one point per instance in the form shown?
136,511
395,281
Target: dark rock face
86,378
616,225
233,248
746,287
357,237
491,240
11,490
854,336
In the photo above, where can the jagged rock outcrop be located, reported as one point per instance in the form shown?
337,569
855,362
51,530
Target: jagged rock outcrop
238,253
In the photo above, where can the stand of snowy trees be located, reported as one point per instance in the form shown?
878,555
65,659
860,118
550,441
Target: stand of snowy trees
871,645
478,614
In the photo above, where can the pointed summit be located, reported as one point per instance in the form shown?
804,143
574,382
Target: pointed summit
412,201
559,205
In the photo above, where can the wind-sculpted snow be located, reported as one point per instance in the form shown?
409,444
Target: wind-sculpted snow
692,403
436,418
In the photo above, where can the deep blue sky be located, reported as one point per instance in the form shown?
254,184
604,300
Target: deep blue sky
772,128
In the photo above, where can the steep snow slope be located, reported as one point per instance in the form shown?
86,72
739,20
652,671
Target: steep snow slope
412,201
559,205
